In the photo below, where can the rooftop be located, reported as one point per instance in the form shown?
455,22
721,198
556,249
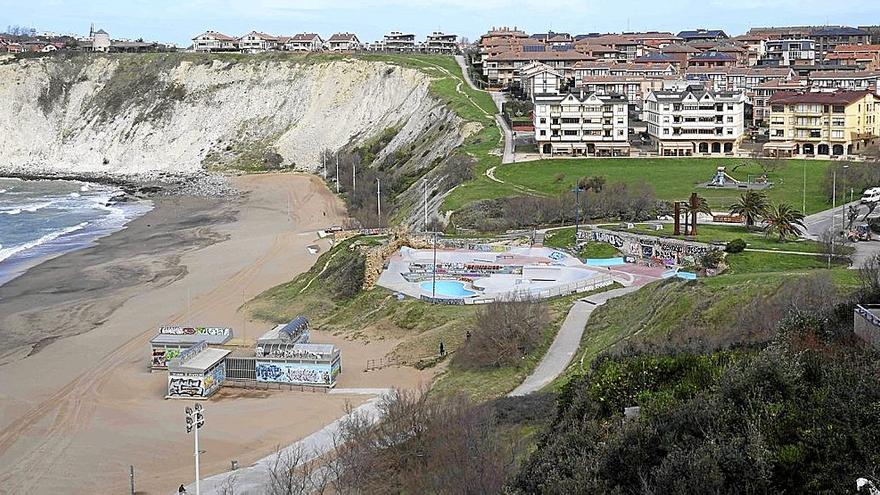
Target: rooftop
199,363
821,97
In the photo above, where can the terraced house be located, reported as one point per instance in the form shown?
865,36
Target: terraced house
581,123
818,123
695,121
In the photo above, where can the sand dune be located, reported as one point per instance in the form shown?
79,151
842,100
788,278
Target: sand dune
76,414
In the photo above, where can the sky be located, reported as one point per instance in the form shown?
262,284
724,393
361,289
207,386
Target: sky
178,21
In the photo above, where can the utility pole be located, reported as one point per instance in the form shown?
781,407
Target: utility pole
379,200
833,212
353,175
577,211
337,172
131,478
425,181
804,206
434,273
194,421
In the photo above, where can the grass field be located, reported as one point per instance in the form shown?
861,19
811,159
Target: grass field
672,179
755,239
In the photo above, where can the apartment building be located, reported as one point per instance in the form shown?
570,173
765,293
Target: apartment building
762,92
213,41
821,123
438,42
396,41
736,78
712,58
828,38
865,56
344,42
786,53
634,88
303,42
852,80
256,42
581,123
626,48
755,45
695,121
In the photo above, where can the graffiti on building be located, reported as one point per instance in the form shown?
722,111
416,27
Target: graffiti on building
293,373
161,356
287,351
215,378
185,387
657,248
176,330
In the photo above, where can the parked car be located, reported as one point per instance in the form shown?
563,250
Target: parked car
871,195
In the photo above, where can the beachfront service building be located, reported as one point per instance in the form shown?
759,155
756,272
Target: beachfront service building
819,123
581,123
695,121
197,372
172,340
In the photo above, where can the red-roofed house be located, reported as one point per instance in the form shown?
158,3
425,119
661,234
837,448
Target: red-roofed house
256,42
213,41
303,42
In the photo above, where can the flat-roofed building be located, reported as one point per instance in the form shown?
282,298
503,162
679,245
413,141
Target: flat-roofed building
172,340
197,372
581,123
695,121
438,42
786,53
822,123
396,41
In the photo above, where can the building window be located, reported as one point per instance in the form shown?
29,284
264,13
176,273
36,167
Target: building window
543,132
665,132
730,119
839,109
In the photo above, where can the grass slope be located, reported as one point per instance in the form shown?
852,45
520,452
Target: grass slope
672,179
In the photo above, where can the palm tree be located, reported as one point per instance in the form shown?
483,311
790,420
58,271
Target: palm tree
783,220
752,205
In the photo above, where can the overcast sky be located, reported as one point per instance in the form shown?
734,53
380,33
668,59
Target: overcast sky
178,21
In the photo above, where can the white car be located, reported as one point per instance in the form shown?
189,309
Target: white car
871,195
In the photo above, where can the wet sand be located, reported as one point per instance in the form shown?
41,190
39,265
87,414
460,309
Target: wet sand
77,402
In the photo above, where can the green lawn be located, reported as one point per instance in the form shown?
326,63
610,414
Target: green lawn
758,262
564,239
672,178
725,233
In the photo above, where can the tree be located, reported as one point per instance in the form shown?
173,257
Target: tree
783,220
595,183
752,205
503,333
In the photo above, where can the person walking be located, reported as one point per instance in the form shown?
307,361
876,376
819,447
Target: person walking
182,489
442,349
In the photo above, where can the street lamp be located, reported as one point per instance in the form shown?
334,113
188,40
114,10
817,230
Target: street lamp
577,210
194,421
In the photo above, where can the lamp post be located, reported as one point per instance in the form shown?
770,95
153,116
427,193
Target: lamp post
337,172
425,182
843,204
379,200
577,210
804,204
194,421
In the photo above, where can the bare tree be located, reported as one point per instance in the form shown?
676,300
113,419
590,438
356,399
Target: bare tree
504,332
294,471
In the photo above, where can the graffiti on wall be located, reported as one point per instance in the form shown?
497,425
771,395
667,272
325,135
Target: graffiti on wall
670,251
294,373
215,378
161,356
608,238
288,351
176,330
185,387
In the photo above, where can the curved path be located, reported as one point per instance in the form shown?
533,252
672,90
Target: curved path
567,341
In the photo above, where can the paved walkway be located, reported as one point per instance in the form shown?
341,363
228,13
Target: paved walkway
567,341
252,479
498,97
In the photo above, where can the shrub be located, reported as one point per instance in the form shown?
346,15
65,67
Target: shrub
504,332
735,246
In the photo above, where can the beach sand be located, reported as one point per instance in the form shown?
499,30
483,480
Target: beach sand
78,405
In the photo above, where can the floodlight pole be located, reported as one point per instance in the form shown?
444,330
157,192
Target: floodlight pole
577,210
198,477
426,203
434,273
379,200
804,205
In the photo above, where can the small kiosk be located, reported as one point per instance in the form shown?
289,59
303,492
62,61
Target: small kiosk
172,340
298,364
197,372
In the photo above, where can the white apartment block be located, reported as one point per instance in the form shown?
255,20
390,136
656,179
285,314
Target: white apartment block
785,53
399,42
695,121
581,124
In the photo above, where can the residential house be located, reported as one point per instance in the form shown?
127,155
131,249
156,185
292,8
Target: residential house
256,42
581,123
866,56
500,40
712,59
396,41
537,78
680,53
438,42
213,41
344,42
626,48
822,123
501,70
633,87
695,121
703,35
755,45
303,42
789,52
874,32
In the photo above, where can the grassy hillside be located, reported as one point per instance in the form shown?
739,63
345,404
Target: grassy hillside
672,179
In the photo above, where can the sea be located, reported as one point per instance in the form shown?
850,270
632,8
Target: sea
42,219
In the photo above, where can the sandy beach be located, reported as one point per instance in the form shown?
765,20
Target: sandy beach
78,405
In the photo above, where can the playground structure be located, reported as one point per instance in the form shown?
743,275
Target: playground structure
723,180
473,276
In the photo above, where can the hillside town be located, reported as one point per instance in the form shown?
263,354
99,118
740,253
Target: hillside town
808,91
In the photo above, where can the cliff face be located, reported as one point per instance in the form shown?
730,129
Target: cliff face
131,115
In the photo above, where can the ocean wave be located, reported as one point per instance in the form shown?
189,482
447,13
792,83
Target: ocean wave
30,208
6,253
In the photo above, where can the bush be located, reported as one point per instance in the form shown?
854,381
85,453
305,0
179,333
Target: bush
735,246
712,259
504,332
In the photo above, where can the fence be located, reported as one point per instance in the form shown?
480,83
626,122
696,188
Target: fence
383,362
561,290
866,324
255,385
